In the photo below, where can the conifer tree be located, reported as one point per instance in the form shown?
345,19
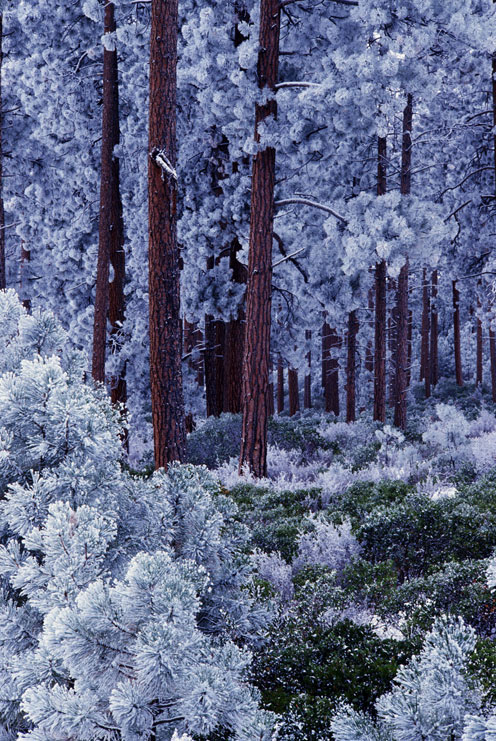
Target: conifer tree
163,252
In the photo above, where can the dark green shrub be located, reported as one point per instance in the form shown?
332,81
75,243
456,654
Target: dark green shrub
216,441
364,496
419,532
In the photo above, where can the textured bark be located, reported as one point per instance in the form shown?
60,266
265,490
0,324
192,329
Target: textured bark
457,337
163,252
270,401
380,343
380,303
492,352
479,351
392,338
332,379
280,386
258,294
351,367
110,231
326,338
307,389
369,353
401,379
294,397
434,332
23,280
425,349
3,277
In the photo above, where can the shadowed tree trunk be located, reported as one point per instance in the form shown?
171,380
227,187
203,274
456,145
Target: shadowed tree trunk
280,385
369,354
307,390
234,341
401,381
109,298
492,351
425,364
457,337
479,352
380,303
270,402
163,253
351,367
434,331
294,398
326,340
24,277
258,293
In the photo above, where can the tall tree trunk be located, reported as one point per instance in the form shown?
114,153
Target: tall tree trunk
270,402
369,354
259,290
110,233
307,390
380,303
434,332
457,337
425,354
332,380
479,352
163,253
492,351
211,353
280,385
294,399
24,277
401,381
351,367
234,341
3,275
326,339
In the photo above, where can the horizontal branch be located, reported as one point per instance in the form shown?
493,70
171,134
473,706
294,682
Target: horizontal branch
288,257
313,204
295,83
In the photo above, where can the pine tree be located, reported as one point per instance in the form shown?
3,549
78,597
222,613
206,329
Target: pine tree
163,253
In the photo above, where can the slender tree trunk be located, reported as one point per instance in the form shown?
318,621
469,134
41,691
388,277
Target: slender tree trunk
24,276
234,342
479,351
259,289
294,397
270,402
110,235
457,337
380,303
492,351
434,332
326,339
280,385
426,312
3,275
401,383
214,365
369,353
351,367
307,391
163,254
332,381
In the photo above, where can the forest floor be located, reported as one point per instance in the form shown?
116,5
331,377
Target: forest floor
362,536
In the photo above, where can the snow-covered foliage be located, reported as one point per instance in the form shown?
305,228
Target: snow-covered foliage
430,696
120,595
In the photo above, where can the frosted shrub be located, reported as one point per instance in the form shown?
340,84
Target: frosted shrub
275,570
326,545
449,432
430,697
119,596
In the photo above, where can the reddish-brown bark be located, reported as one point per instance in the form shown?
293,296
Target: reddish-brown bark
332,379
234,341
434,332
293,394
369,353
259,289
351,367
380,303
479,349
163,252
401,379
492,352
426,315
456,333
280,385
307,389
326,338
214,365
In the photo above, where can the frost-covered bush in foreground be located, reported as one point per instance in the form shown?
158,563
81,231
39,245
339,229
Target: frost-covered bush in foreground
326,544
119,596
431,695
